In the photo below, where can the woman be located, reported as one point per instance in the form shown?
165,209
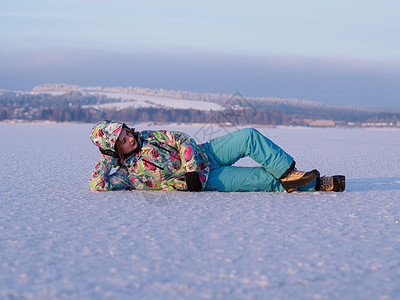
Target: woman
171,160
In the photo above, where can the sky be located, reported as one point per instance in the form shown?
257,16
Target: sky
338,52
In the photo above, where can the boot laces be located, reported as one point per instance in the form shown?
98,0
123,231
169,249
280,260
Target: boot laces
294,175
297,172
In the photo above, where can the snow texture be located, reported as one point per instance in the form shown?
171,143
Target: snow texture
58,240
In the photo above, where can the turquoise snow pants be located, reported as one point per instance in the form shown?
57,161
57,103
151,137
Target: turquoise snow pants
224,151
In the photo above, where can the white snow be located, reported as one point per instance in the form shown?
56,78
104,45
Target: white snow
138,101
58,240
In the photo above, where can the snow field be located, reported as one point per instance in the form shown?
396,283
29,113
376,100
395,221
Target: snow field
58,240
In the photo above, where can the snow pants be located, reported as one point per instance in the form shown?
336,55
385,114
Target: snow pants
224,151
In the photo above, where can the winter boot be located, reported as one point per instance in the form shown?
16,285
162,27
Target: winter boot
295,179
336,183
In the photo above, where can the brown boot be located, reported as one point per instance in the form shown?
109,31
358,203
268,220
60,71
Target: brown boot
336,183
295,179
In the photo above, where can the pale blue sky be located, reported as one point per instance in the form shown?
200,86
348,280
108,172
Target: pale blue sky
366,29
356,34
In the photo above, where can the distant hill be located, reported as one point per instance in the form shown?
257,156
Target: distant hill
64,102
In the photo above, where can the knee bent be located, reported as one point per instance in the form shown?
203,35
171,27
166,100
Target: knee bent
250,131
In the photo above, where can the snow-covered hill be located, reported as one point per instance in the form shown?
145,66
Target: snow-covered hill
58,240
136,101
128,97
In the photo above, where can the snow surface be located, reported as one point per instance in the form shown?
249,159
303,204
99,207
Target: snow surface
58,240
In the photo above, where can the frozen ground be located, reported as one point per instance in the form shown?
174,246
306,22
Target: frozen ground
58,240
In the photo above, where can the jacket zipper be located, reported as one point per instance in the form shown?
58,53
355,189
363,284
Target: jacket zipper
154,144
153,164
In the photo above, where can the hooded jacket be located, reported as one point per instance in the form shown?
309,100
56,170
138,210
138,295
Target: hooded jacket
161,162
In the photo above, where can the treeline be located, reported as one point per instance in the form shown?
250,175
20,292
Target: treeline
162,115
154,115
73,107
69,108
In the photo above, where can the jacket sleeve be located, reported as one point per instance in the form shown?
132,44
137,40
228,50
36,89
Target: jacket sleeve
184,144
101,179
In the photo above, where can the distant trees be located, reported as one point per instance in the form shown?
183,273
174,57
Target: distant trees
75,107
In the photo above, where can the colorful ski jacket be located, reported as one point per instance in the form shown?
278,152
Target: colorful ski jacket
160,164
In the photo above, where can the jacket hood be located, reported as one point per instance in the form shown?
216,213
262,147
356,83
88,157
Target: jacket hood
105,134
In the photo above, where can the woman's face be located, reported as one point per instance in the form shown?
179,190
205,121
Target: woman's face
128,142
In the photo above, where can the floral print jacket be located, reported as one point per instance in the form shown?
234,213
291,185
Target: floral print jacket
160,164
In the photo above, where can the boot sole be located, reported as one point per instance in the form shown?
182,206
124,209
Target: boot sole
309,177
339,183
